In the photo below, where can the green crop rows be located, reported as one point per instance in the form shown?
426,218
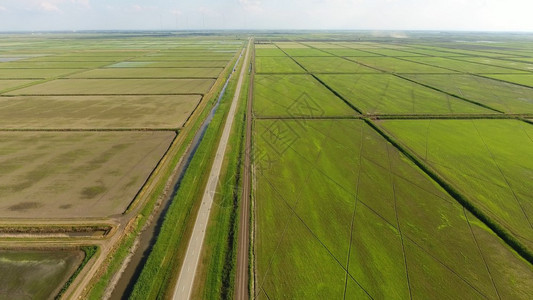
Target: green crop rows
434,202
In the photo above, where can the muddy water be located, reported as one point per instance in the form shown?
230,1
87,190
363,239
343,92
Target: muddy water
148,237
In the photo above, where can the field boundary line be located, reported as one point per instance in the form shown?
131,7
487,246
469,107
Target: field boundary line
502,116
503,174
354,210
295,214
445,266
526,72
505,81
451,94
416,82
499,230
321,82
481,253
391,175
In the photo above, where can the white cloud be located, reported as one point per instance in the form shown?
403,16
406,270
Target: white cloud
251,6
48,6
3,8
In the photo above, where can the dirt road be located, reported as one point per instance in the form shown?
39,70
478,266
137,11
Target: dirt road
241,282
190,263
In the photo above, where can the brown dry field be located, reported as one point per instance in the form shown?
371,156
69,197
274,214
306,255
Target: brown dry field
75,174
83,112
150,73
117,87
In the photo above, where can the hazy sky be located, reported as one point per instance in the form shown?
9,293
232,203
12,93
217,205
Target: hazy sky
492,15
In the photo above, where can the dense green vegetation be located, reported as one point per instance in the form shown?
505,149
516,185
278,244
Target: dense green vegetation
488,161
267,64
391,221
332,65
394,209
463,66
388,94
498,95
397,65
507,63
295,96
523,79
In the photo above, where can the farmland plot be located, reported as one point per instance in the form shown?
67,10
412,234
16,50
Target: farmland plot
488,161
75,174
498,95
395,233
31,274
463,66
93,112
395,65
265,64
394,52
150,73
7,83
347,52
34,73
117,87
500,62
388,94
296,96
523,79
52,64
332,65
268,51
144,63
305,52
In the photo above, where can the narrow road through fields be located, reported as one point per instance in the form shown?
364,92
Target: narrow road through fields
241,282
190,263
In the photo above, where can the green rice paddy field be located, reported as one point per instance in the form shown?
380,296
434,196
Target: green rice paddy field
338,207
343,207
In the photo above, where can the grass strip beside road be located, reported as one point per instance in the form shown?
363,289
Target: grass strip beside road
216,277
157,278
89,252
